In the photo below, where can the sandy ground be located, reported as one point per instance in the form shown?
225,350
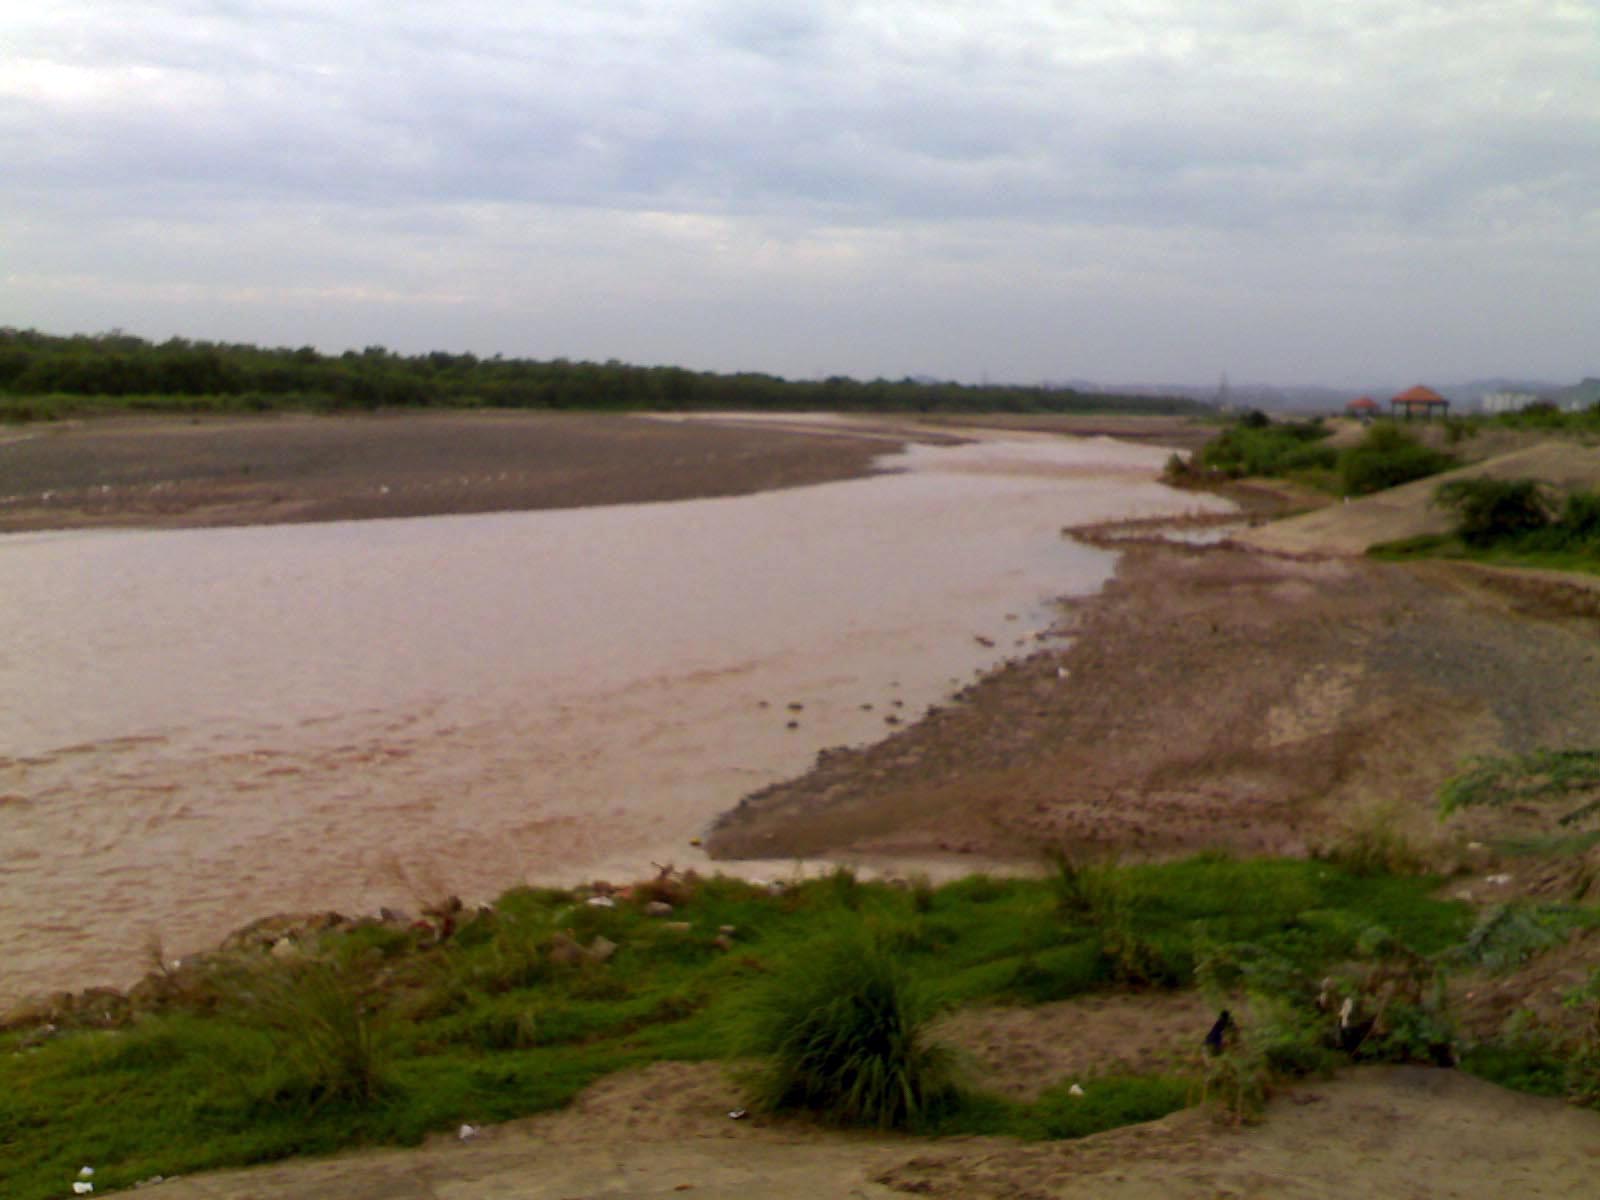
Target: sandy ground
1399,1132
169,472
1212,698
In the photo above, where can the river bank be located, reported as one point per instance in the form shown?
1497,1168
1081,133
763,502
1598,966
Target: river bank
1210,698
222,722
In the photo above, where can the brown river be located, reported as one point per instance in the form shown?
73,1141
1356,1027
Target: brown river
200,727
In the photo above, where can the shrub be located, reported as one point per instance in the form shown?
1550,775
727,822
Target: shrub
1580,518
1262,448
321,1028
1388,457
845,1035
1495,510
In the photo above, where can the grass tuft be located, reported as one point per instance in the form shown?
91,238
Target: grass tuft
845,1032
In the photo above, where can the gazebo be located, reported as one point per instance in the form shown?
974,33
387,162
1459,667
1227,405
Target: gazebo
1420,400
1362,407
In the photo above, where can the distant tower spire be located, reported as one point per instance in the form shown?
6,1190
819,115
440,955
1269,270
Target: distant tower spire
1224,396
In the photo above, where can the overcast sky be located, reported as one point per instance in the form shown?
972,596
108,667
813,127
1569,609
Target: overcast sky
1343,192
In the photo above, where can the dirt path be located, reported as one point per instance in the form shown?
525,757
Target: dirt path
1390,1132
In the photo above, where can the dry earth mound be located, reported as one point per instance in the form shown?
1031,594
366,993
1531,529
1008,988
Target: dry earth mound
1409,511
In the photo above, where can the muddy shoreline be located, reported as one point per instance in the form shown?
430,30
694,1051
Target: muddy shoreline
1210,698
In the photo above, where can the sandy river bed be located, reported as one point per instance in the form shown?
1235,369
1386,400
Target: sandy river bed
201,726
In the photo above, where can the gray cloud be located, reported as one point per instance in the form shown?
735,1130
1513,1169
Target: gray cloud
833,152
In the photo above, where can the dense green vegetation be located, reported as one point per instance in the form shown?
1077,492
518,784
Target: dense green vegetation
1543,417
1515,522
1253,445
377,1033
43,377
1387,457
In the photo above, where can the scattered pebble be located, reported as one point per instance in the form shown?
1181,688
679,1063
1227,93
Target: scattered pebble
792,725
1498,879
467,1133
85,1172
1074,1090
600,902
81,1188
739,1114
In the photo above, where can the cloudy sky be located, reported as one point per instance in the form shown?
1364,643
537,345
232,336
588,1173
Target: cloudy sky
1123,190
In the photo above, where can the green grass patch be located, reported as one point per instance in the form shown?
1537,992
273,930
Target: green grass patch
383,1036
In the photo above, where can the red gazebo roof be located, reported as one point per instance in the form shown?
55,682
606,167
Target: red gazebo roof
1362,402
1419,395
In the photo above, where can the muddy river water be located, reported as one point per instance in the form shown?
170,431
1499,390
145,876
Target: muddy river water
199,727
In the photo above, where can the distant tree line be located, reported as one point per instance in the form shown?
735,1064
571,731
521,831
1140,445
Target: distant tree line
43,375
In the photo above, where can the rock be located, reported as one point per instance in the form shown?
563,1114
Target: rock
727,930
467,1132
657,908
285,948
564,951
393,916
678,926
722,942
601,949
101,1006
600,902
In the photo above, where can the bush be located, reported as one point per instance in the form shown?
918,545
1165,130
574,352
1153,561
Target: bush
1495,510
1262,448
846,1038
1580,518
1386,458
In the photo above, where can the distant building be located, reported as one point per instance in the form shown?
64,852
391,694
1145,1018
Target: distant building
1363,408
1419,402
1504,402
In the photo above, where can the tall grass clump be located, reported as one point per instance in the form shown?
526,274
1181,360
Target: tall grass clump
325,1037
845,1036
